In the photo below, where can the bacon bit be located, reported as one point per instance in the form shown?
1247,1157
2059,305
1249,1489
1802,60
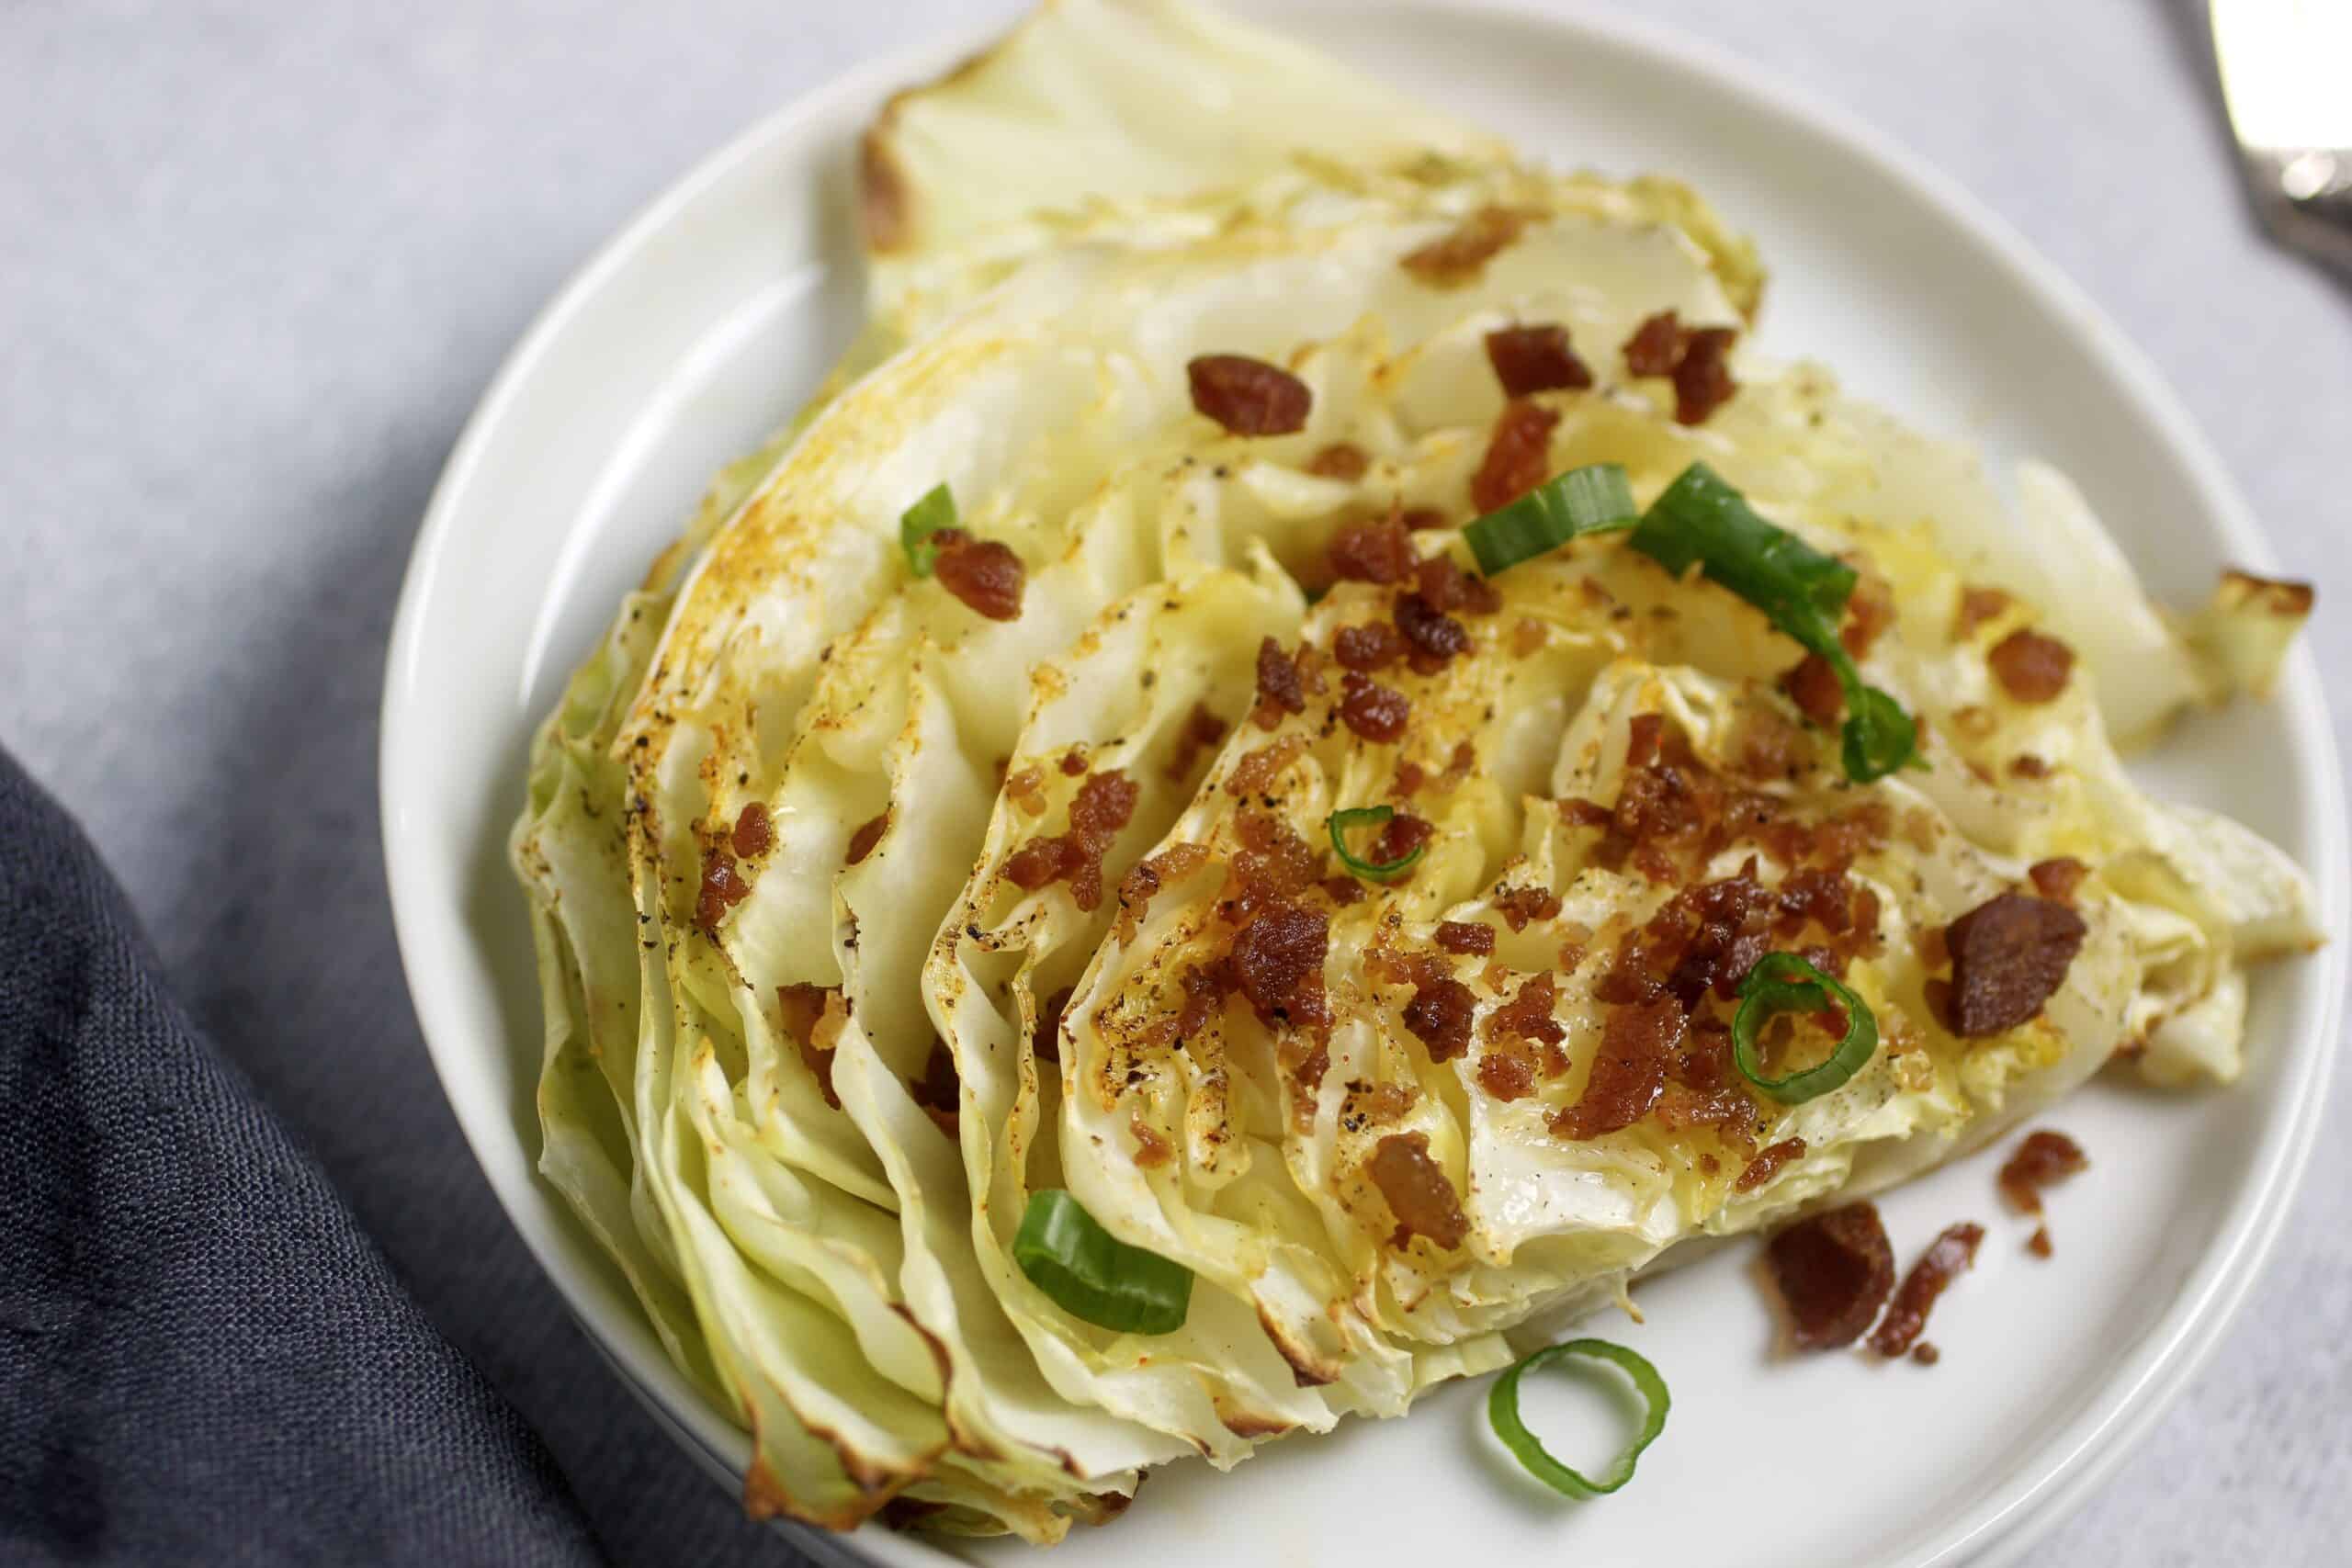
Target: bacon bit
752,837
1926,1355
1947,1258
1977,606
1073,762
1528,1014
1458,766
1422,519
1151,1150
1248,397
1833,1270
1518,456
1367,647
1380,551
984,573
1343,890
1439,1015
1628,1070
1466,936
1409,779
2026,766
1769,746
1702,382
1103,807
1527,636
1433,637
1506,1070
1446,586
1578,812
1341,460
722,888
2044,1159
1768,1164
1520,904
1280,690
1203,730
2030,666
1375,712
1273,865
1277,965
813,1017
1027,791
2039,1244
2009,954
1814,686
1418,1194
1046,1040
1869,610
1642,737
2057,878
1403,834
1460,258
1260,768
869,833
939,1091
1656,348
1536,359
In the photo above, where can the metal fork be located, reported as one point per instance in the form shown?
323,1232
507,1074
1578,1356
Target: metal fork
2287,80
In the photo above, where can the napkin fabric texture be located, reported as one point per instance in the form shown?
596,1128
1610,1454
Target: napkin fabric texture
202,1359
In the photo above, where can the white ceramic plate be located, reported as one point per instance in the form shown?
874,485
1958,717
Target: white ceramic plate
698,329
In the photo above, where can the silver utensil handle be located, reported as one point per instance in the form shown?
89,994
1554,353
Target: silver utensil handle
2305,195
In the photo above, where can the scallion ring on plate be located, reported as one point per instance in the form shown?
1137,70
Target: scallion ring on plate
1343,822
1782,982
918,523
1502,1412
1094,1276
1590,500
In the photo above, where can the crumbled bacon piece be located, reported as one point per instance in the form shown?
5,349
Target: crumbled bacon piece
1375,712
1073,762
1535,359
1439,1015
984,573
1343,890
1518,456
1433,637
1869,610
1766,1164
940,1091
1367,647
1418,1194
1421,519
1280,689
1520,904
1248,397
1260,768
1814,686
1103,807
1151,1150
1528,1014
1926,1354
722,887
2030,666
1947,1258
1203,730
1459,256
1638,1043
1339,460
2044,1159
1507,1070
1273,865
1656,348
869,833
2057,878
1977,606
751,837
1277,963
1380,551
1702,382
1466,936
1411,777
1643,734
1834,1271
1441,580
1400,836
813,1017
2009,954
2039,1242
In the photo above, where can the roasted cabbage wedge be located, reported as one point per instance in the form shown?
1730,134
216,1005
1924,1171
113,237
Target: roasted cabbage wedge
823,1017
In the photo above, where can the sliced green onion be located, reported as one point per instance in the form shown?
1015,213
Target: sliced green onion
1782,982
1092,1274
918,523
1343,823
1590,500
1502,1412
1804,592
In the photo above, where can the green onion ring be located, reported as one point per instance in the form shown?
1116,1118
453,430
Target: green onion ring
918,523
1782,982
1093,1275
1502,1412
1342,823
1590,500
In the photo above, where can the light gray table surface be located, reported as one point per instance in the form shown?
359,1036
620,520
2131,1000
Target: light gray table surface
257,262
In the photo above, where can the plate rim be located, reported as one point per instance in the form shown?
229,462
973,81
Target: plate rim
2064,1465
